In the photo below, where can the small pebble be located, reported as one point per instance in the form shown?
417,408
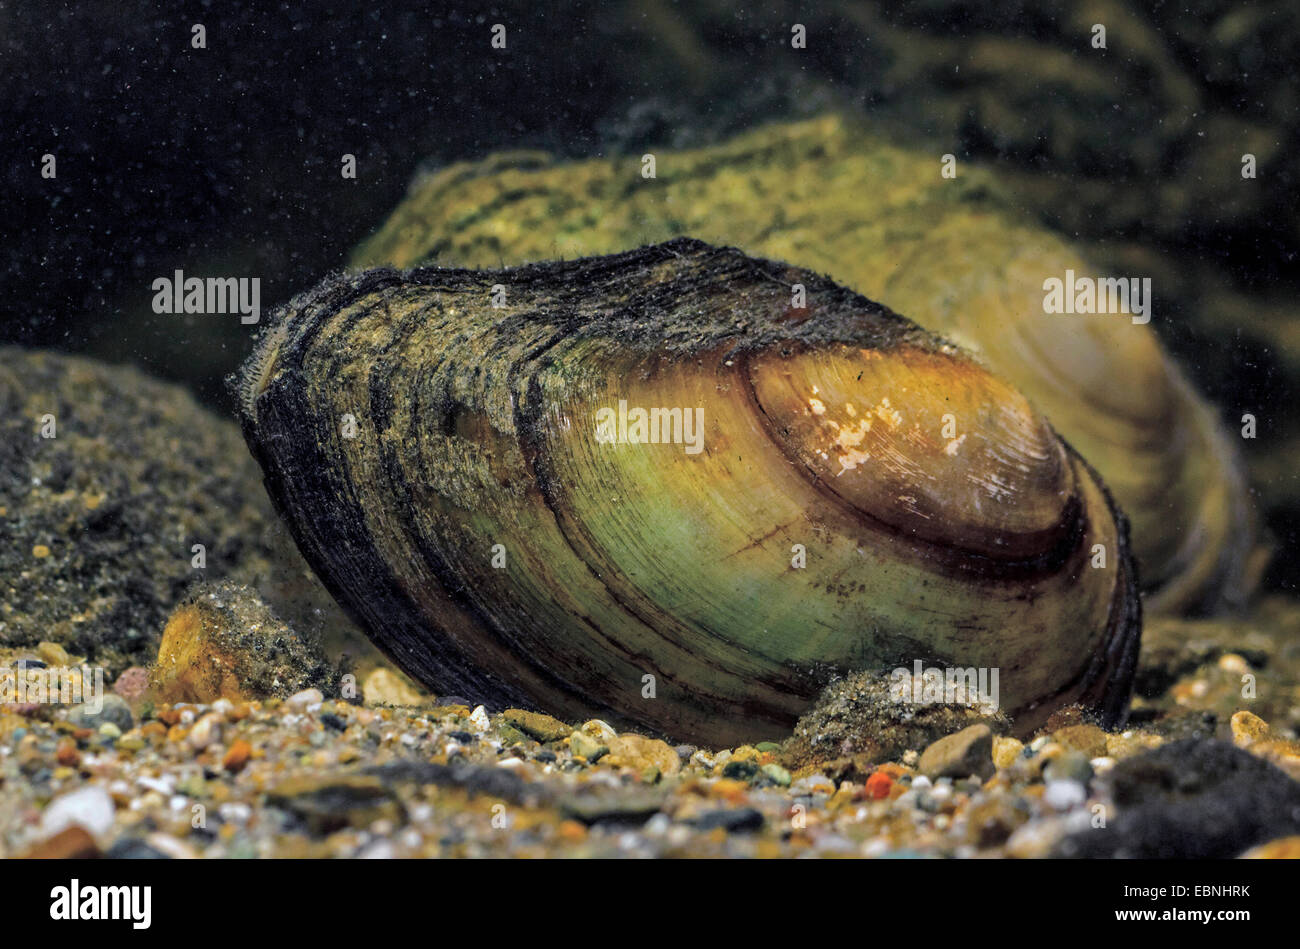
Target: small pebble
89,807
301,701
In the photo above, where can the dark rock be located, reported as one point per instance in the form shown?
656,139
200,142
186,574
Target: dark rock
324,805
1191,799
732,821
115,710
740,770
130,849
330,720
474,779
612,806
969,751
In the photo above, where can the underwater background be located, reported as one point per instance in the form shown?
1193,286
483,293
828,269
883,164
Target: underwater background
224,159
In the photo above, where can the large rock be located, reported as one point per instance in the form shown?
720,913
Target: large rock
98,521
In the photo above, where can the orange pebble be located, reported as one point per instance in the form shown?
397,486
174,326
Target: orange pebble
66,753
729,789
572,830
237,755
878,785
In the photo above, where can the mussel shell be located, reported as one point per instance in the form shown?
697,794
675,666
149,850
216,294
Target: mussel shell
954,255
476,427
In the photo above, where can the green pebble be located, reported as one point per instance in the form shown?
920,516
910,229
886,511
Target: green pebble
584,746
510,735
776,774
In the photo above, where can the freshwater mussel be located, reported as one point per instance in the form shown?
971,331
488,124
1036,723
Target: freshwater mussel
683,488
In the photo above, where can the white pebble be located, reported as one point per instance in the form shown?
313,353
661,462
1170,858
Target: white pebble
235,812
1062,795
161,785
205,731
479,719
1102,765
90,808
173,847
379,850
305,699
600,730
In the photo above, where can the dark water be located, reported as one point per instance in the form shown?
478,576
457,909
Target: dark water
225,159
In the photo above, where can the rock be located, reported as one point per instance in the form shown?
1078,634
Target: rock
1191,799
90,808
511,736
638,753
1131,743
1088,739
1062,795
130,848
1070,765
479,720
776,774
136,475
237,755
1006,750
324,805
878,785
384,686
969,751
536,725
304,700
66,753
733,820
1248,728
991,821
613,806
114,710
205,731
1284,848
473,779
812,784
584,746
132,685
52,653
745,769
856,718
171,847
71,843
1252,733
599,730
224,642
